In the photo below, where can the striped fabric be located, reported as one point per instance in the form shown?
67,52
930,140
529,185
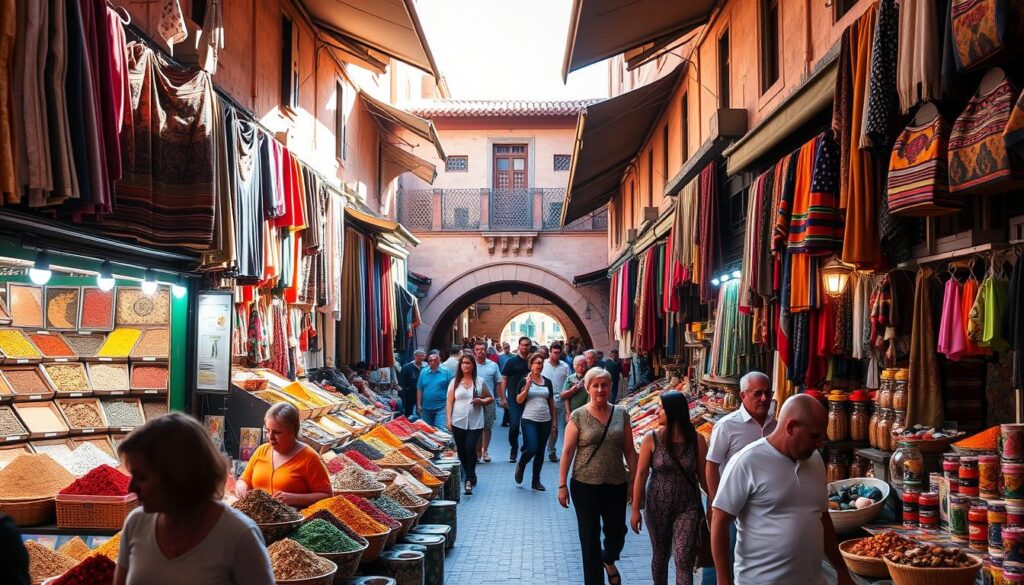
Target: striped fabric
918,181
816,225
978,160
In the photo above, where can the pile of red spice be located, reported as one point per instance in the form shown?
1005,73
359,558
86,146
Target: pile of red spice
401,427
95,570
52,345
102,481
373,511
97,306
337,464
362,461
149,377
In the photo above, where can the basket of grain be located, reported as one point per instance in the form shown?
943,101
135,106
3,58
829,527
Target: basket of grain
28,485
29,512
932,565
106,512
274,519
294,564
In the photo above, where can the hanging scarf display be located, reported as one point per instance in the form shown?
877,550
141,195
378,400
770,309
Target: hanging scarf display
952,342
924,392
707,235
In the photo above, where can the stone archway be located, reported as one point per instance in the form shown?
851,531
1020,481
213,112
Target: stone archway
439,312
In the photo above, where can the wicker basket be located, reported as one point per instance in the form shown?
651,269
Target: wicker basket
277,530
907,575
862,565
930,447
375,546
325,579
94,511
369,494
29,512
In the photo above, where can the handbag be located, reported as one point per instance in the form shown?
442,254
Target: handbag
979,162
918,179
983,31
703,555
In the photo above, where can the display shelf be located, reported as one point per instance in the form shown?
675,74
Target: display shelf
845,444
729,383
54,530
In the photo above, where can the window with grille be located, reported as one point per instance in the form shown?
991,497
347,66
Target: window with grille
457,164
562,162
289,64
769,43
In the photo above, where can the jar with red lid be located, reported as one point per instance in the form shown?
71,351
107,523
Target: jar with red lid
951,471
910,508
968,477
928,510
860,416
977,525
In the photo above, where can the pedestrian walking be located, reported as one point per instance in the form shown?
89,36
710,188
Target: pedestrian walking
574,392
674,455
537,399
591,355
452,363
599,447
750,422
467,396
407,379
557,371
488,371
513,372
774,489
432,392
614,367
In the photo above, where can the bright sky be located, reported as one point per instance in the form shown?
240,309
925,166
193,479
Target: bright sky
506,49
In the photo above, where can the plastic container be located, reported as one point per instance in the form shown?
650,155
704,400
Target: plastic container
988,476
1011,442
977,525
968,476
1013,483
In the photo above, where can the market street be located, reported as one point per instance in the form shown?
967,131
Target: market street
512,534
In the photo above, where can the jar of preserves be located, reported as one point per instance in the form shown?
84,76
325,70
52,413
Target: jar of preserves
876,415
910,508
959,507
968,476
859,416
884,396
838,417
988,476
899,390
928,510
836,468
977,525
858,466
906,467
884,437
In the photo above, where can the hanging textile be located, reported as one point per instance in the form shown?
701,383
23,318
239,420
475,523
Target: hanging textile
967,301
918,179
924,394
65,183
645,334
882,101
994,291
918,64
684,222
983,31
952,341
210,39
171,26
222,253
978,160
166,196
858,179
95,19
29,102
8,27
708,230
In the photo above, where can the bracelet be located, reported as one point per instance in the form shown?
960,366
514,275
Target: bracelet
561,486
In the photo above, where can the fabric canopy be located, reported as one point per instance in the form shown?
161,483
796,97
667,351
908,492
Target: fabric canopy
396,161
808,101
609,135
599,29
376,27
590,277
388,114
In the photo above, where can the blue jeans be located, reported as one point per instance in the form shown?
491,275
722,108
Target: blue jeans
535,437
515,415
708,576
434,417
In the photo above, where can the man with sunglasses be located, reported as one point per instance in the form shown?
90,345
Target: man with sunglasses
750,422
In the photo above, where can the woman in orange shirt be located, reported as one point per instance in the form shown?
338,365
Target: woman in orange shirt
289,470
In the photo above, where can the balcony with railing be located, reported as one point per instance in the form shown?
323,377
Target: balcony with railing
495,210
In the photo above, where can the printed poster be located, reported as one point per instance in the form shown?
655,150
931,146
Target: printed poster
213,349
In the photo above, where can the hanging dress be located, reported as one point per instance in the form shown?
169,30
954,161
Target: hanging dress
952,342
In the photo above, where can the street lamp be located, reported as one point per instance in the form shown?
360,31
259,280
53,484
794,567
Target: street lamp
835,276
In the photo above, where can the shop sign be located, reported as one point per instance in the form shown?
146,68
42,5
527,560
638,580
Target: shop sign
213,347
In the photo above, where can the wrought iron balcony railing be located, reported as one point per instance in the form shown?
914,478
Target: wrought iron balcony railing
502,210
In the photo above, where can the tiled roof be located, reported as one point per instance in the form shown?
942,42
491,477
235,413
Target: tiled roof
486,108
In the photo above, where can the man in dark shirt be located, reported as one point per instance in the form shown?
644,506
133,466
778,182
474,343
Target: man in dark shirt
615,369
513,373
407,380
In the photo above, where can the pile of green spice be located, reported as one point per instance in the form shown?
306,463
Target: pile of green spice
264,509
321,536
392,508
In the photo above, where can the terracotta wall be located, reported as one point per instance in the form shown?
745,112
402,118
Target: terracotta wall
249,70
809,30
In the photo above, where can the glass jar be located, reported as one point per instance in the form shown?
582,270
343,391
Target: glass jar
836,468
876,416
884,396
859,420
838,417
977,525
855,467
899,390
906,468
968,476
959,507
731,401
885,442
899,423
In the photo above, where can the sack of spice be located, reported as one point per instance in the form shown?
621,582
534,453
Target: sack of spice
44,562
95,570
292,561
32,476
264,509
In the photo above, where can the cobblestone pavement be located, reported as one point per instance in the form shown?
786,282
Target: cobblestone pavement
511,534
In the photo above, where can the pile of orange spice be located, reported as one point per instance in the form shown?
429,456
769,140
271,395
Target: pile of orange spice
385,436
424,477
348,514
987,440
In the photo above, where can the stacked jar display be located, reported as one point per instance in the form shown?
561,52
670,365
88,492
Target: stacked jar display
899,404
1011,454
883,407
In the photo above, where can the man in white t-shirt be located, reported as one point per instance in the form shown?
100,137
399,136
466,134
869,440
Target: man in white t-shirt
491,375
452,363
775,491
557,371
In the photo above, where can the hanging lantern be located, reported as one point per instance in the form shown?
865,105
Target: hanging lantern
835,275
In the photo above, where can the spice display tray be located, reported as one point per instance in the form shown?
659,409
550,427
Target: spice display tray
102,442
56,429
73,431
58,392
137,389
6,394
20,394
25,302
16,437
114,427
7,358
157,407
120,357
55,320
37,338
137,309
85,343
108,391
137,354
74,511
5,314
103,320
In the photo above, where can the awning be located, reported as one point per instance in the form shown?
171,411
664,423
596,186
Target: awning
395,161
806,102
590,277
599,29
373,224
377,28
388,114
609,135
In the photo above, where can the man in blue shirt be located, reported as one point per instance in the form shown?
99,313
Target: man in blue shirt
407,380
432,392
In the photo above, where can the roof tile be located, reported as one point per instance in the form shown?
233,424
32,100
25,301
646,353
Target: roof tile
487,108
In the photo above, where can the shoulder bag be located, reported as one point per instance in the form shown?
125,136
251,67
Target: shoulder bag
702,556
603,435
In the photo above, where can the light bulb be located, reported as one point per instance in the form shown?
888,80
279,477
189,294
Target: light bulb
715,282
105,279
178,288
149,282
725,277
40,272
735,273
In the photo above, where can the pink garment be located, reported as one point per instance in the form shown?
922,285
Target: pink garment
951,326
118,70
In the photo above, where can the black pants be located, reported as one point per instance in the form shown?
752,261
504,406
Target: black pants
408,400
599,507
465,446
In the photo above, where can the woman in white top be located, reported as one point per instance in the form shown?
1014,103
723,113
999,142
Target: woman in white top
538,399
467,396
183,533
